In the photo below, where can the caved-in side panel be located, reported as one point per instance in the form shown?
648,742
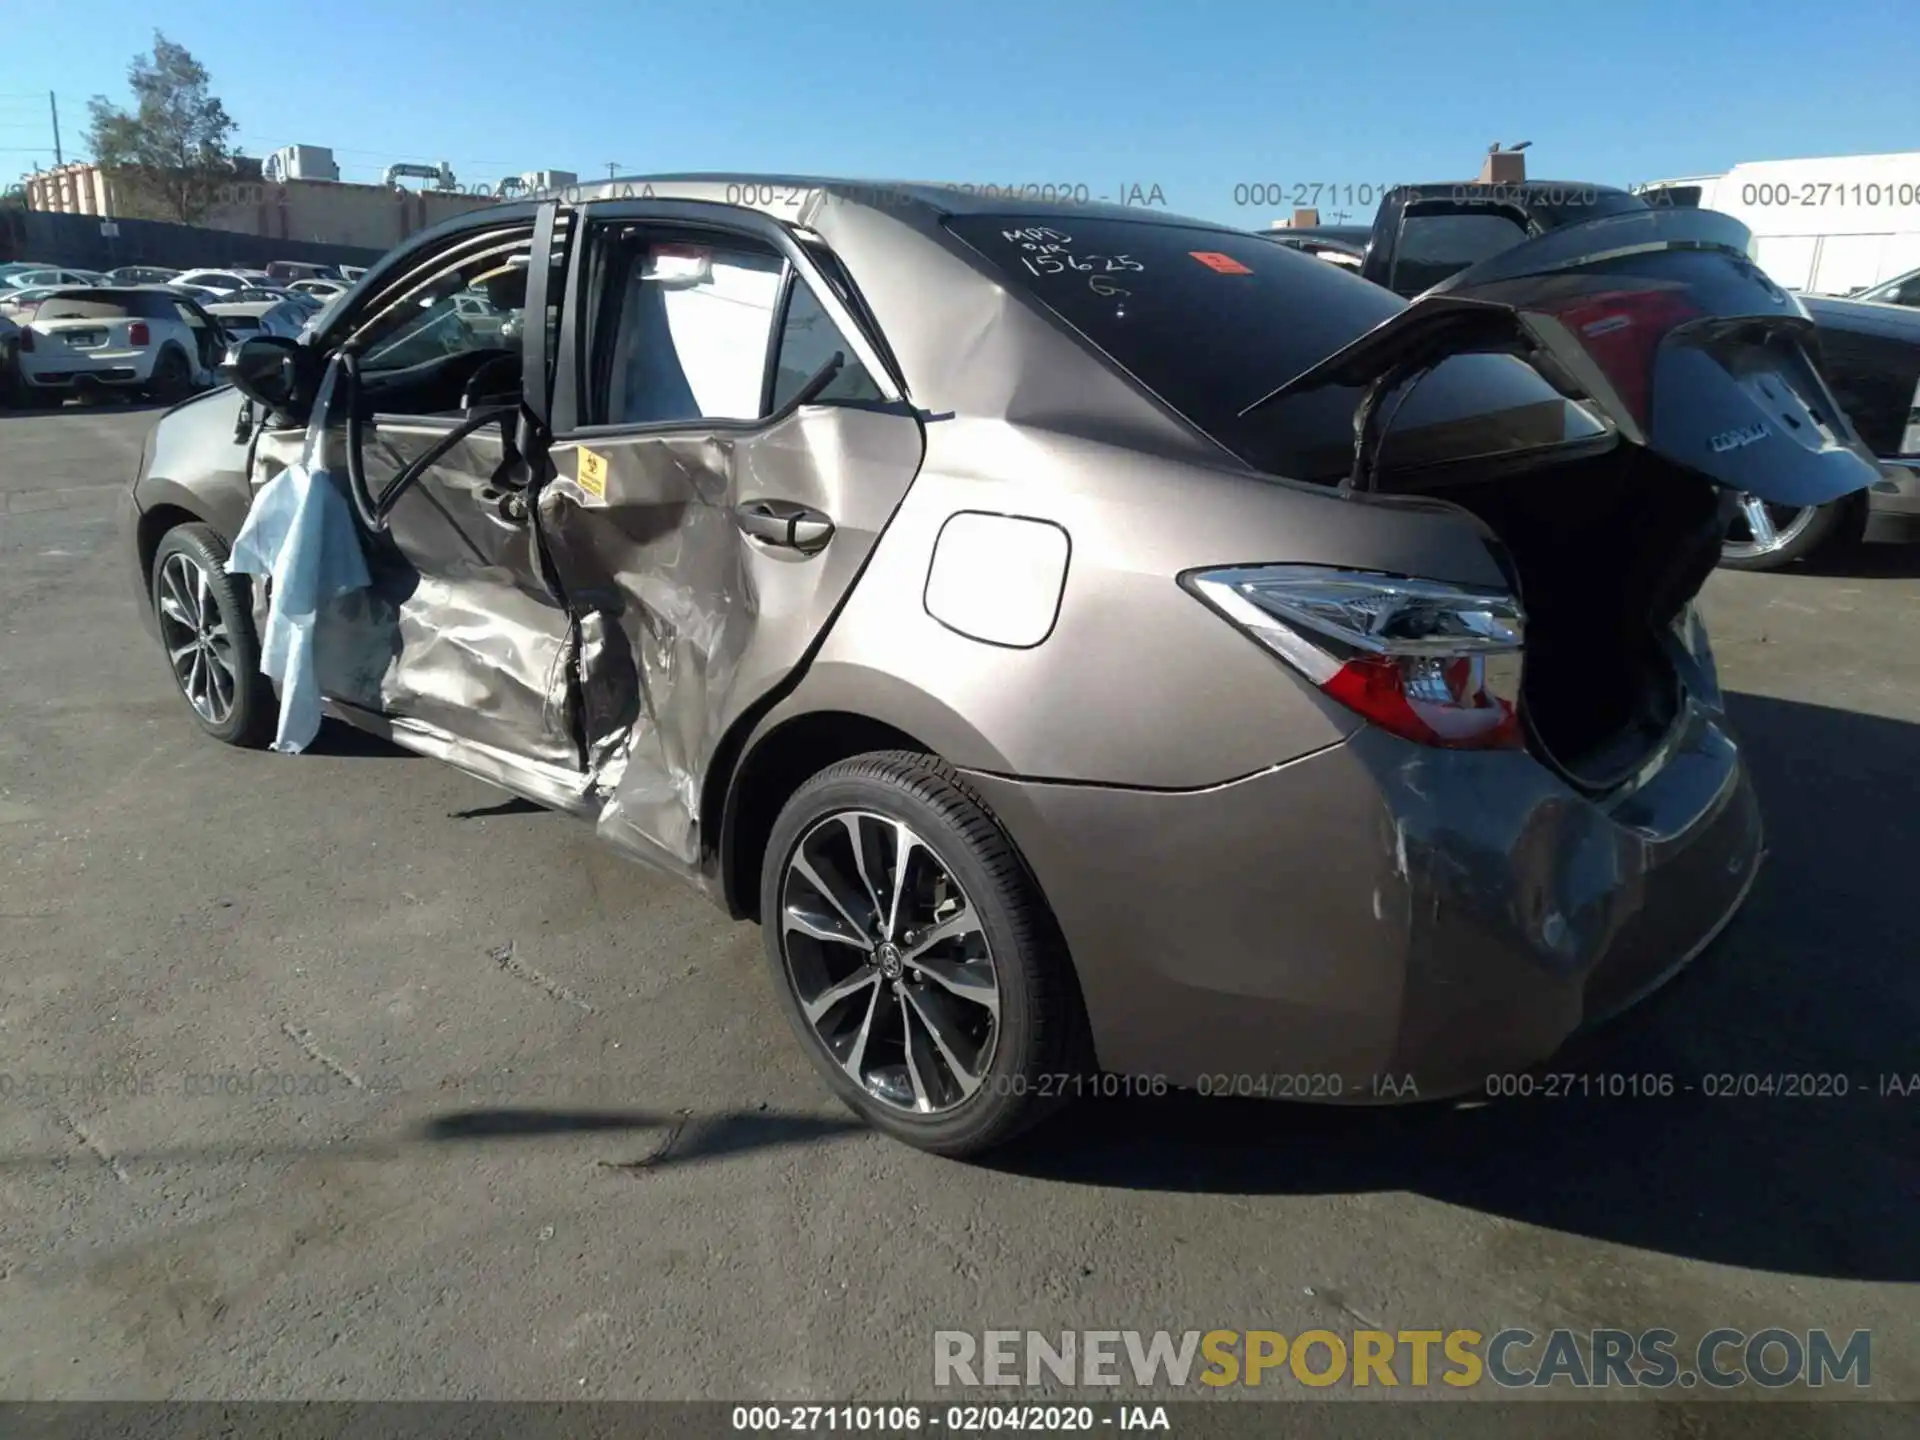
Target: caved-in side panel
685,621
482,653
452,632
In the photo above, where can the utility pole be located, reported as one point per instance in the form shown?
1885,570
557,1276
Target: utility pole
613,168
53,105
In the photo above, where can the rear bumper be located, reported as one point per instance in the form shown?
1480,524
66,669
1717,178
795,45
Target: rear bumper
1380,910
1893,504
112,376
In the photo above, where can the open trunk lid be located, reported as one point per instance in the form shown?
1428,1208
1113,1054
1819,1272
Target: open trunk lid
1660,323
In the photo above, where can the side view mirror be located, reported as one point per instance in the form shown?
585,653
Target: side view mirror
266,369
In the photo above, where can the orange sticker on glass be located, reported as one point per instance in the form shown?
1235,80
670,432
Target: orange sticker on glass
1224,264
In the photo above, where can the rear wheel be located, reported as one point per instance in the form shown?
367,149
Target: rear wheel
206,627
172,377
1769,537
915,957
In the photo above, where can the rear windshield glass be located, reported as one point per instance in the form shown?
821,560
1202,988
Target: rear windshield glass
104,305
1211,320
1433,247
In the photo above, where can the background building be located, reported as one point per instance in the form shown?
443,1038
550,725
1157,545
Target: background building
296,194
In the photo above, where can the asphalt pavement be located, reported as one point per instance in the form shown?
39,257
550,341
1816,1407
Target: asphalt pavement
345,1075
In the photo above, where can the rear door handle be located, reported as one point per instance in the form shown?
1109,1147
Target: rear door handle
784,524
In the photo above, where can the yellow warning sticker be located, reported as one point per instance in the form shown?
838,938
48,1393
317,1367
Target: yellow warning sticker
593,474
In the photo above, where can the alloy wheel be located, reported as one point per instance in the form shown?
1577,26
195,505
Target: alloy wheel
1768,528
889,962
198,646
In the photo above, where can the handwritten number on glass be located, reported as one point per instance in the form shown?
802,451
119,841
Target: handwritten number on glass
1053,260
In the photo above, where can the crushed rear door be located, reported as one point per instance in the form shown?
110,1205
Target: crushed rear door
1660,322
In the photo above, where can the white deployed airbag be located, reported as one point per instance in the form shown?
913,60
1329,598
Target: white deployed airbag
299,537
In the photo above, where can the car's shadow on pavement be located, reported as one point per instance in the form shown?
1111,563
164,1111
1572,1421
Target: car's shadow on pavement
1865,562
340,740
1817,977
646,1139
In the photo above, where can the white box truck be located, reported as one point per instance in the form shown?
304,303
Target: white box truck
1828,226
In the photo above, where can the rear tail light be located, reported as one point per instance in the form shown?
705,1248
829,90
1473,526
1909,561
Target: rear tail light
137,333
1622,330
1431,662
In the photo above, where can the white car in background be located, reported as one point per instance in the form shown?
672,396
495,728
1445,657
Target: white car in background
479,316
243,319
223,281
321,289
145,341
1901,290
52,275
19,305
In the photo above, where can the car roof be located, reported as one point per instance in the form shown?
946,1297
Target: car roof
792,196
792,199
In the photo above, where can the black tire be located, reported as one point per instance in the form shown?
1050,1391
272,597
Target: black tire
172,378
252,716
1040,1028
1834,529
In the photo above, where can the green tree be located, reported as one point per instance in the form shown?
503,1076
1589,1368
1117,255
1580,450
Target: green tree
172,150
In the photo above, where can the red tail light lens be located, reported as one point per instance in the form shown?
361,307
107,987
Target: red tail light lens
1622,331
137,333
1451,703
1434,663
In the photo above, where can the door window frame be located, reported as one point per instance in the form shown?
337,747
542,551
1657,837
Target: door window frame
406,274
683,220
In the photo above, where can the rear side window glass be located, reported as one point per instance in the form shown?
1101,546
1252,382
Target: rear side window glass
1211,320
688,332
808,337
1433,247
1208,320
102,305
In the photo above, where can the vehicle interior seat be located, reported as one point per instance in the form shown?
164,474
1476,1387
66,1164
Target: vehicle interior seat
649,384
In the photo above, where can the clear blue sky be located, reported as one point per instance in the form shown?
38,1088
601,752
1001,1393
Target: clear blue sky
1195,98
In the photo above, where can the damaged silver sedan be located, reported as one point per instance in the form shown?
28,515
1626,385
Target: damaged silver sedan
993,602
